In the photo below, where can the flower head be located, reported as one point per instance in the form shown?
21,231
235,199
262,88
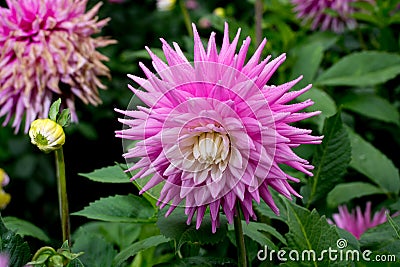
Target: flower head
358,222
46,50
4,197
320,13
47,135
213,133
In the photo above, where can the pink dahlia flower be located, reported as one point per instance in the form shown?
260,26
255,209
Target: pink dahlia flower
317,11
47,49
356,222
213,133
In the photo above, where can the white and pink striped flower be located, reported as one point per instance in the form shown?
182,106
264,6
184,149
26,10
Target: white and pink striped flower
213,132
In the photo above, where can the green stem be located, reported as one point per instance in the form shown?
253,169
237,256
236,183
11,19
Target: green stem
186,17
258,10
62,195
241,248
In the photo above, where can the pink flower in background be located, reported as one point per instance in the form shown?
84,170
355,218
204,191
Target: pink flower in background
357,222
47,50
214,133
317,11
4,260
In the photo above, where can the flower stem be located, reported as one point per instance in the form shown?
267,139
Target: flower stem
62,195
258,10
237,222
186,17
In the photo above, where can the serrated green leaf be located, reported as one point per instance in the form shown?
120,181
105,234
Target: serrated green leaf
135,248
259,232
310,232
362,69
14,246
371,106
330,160
175,227
65,118
54,109
119,208
111,174
25,228
97,251
345,192
369,161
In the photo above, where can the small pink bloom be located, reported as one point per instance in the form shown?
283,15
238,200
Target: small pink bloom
214,134
47,52
357,222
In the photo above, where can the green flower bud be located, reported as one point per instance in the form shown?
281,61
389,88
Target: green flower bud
47,135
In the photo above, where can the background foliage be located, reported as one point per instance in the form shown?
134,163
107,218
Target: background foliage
355,78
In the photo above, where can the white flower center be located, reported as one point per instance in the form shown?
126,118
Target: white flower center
211,148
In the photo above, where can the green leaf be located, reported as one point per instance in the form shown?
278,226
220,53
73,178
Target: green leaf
362,69
65,118
130,56
368,18
135,248
75,263
175,226
111,174
322,102
259,232
120,234
308,231
371,106
25,228
326,39
119,208
343,193
382,239
308,59
395,226
97,251
369,161
14,246
54,109
266,211
330,160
